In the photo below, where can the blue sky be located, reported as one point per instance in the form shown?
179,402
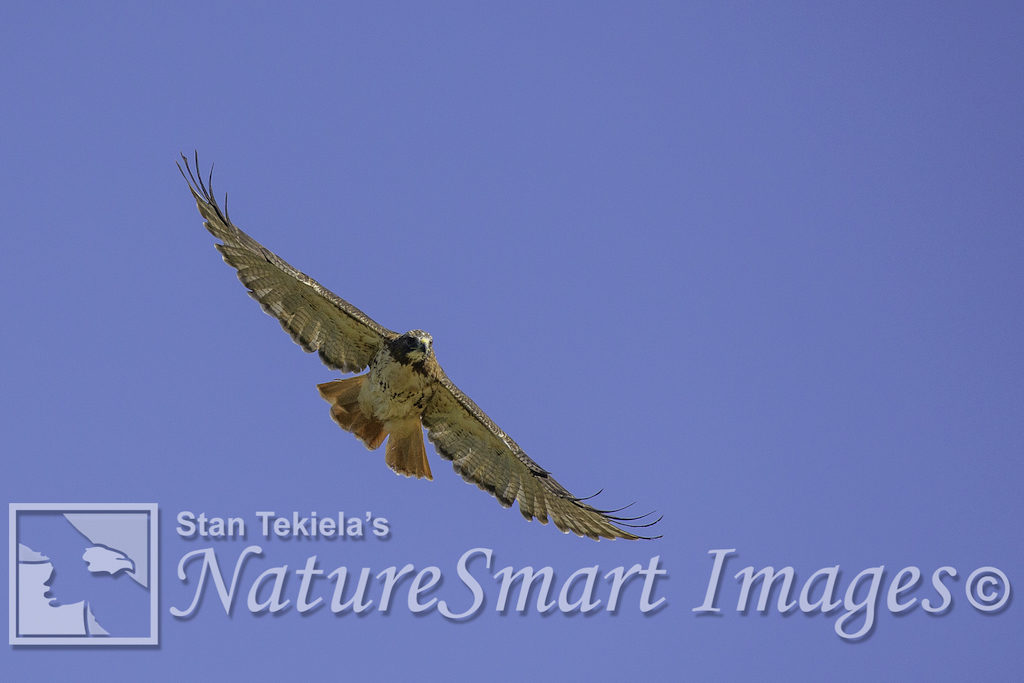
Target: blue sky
756,267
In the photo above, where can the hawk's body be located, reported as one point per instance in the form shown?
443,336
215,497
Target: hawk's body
404,390
399,385
389,401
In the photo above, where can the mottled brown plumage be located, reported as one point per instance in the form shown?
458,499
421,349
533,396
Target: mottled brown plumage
404,388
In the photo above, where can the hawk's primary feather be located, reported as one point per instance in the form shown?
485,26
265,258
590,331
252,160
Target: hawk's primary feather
349,340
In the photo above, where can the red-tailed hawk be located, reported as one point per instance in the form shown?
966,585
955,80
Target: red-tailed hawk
404,388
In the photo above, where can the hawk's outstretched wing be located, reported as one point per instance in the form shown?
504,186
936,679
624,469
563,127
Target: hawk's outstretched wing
486,456
316,318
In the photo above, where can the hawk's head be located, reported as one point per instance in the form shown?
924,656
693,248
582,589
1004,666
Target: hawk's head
413,346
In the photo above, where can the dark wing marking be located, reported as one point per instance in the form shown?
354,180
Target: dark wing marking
486,456
316,318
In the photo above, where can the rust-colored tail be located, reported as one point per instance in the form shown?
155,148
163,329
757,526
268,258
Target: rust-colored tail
343,395
405,452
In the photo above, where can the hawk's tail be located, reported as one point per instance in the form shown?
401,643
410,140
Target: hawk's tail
343,395
405,452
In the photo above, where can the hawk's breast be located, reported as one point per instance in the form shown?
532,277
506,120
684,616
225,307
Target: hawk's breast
394,390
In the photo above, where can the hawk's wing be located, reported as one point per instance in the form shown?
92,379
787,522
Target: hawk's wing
486,456
316,318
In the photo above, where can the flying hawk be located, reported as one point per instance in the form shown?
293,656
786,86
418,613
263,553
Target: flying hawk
404,390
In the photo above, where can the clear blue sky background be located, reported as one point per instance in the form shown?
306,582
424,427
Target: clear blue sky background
756,266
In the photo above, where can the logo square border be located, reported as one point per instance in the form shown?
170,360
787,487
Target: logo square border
152,509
